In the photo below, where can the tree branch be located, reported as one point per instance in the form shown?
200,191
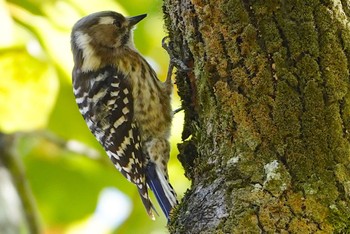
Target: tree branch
12,162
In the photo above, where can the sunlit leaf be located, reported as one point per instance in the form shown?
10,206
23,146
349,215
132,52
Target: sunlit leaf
28,89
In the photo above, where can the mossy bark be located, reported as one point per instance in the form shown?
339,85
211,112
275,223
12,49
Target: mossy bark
267,115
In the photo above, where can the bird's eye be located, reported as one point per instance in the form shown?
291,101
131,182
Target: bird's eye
117,23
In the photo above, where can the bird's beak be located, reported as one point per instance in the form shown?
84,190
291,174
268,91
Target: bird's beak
135,19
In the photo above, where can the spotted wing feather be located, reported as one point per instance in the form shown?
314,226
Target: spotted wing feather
105,101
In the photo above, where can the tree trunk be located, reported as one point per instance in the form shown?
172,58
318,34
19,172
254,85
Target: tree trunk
267,115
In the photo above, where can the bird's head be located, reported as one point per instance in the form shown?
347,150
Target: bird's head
106,29
103,33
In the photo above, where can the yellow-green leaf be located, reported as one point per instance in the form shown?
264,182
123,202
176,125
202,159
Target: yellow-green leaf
28,89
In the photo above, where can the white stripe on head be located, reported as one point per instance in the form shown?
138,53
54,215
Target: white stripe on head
91,61
106,20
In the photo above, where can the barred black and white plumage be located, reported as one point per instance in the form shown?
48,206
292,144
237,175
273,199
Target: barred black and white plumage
123,103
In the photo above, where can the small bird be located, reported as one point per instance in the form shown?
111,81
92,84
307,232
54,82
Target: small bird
126,107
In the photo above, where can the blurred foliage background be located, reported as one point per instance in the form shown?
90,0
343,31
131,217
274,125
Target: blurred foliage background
75,188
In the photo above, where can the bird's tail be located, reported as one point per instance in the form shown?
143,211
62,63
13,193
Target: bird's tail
162,189
147,201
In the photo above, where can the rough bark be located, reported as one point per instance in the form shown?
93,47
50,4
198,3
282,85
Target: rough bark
267,115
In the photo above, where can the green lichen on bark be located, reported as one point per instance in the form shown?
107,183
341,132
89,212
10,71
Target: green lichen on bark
269,106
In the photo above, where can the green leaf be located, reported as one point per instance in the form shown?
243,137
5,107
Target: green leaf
28,89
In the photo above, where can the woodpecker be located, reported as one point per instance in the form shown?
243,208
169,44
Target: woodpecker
126,107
